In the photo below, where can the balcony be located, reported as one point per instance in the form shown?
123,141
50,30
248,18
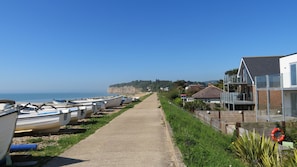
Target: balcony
268,82
236,98
231,79
234,79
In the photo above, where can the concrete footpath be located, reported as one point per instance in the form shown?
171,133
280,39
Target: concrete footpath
138,137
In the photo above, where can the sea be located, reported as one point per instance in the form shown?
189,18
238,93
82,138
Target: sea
48,97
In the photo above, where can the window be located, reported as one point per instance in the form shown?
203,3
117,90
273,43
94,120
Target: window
244,76
293,74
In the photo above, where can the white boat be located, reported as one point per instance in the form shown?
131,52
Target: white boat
92,105
8,117
78,111
103,102
135,99
127,100
41,119
113,101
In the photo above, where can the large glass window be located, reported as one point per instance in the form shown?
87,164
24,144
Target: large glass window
293,74
244,76
294,104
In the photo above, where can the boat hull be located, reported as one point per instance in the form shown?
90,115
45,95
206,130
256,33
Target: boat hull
112,102
77,115
127,100
42,122
7,123
91,105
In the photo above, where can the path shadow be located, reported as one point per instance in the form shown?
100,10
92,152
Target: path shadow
60,132
31,161
71,131
62,161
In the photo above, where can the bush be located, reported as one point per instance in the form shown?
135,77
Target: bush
173,94
178,101
257,150
196,105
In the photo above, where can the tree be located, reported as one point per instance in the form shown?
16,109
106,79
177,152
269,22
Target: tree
180,83
232,88
232,72
219,84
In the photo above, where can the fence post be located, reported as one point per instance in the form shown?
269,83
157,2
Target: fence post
220,120
210,122
237,126
283,125
226,127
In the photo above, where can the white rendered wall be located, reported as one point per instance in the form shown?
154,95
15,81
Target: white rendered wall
284,64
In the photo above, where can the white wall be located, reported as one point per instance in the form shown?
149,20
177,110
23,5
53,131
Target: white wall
284,64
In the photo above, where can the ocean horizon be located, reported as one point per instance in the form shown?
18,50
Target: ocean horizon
46,97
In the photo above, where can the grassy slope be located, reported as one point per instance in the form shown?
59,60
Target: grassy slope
199,144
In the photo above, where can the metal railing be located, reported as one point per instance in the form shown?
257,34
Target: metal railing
268,81
232,79
235,97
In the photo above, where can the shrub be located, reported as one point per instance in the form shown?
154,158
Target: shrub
257,150
173,94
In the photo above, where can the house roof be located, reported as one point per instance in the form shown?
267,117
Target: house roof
210,92
259,66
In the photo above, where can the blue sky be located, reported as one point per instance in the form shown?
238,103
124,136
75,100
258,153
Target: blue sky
87,45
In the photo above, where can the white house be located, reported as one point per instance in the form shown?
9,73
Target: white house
288,70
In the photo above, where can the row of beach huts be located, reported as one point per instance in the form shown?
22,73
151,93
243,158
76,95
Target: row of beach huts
49,117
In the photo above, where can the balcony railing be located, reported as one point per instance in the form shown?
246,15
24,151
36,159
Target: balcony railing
232,79
268,81
235,98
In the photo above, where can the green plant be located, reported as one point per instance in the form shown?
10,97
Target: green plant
196,104
291,132
178,101
290,159
256,150
173,94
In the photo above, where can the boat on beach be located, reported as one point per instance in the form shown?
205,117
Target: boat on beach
77,113
113,101
127,100
92,105
42,119
8,117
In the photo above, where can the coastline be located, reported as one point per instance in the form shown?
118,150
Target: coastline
45,97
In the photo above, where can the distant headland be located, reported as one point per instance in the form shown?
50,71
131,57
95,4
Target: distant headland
137,86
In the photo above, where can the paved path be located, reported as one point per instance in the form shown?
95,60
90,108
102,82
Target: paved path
138,137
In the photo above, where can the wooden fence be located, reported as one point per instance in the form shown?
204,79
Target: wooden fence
229,121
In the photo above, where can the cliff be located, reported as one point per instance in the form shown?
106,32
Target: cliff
124,90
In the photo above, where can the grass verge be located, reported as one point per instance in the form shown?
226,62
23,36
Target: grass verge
199,144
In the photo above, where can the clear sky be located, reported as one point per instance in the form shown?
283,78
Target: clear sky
87,45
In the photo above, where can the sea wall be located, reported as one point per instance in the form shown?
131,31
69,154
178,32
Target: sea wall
125,90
